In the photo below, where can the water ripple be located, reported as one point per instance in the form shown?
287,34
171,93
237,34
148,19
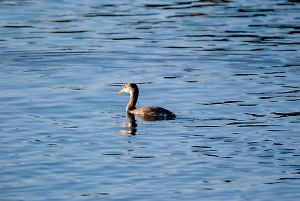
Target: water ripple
228,69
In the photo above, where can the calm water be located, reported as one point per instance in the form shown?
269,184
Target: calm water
229,70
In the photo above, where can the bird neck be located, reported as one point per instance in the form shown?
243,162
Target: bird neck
133,100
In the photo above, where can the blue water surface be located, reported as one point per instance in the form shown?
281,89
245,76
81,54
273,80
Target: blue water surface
229,70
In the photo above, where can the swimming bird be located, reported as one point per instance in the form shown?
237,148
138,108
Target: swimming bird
146,113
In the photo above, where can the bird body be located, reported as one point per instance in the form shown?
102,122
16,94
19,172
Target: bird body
157,113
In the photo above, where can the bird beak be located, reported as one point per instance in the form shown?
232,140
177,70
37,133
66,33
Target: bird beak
120,91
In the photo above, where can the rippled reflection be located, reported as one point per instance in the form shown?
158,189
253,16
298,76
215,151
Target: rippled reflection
131,125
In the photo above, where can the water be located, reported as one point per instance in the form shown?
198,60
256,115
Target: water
228,69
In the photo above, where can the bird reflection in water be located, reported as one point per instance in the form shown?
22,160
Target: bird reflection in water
131,126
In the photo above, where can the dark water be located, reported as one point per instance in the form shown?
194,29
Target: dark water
228,69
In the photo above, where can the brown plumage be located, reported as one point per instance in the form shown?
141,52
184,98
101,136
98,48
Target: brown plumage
157,113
